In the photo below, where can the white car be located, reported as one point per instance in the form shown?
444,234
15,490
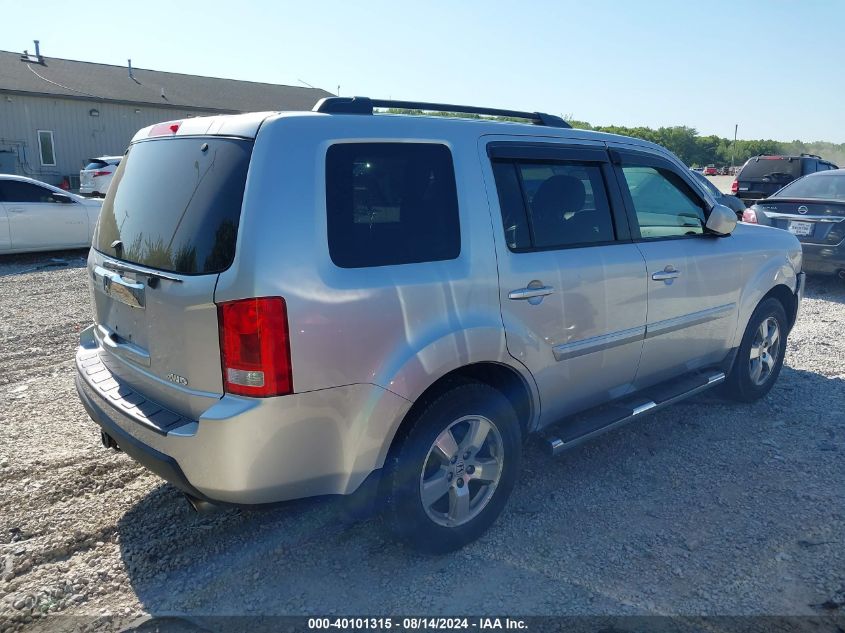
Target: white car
95,178
35,216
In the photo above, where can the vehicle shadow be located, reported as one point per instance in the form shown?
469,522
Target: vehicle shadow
825,287
19,264
665,498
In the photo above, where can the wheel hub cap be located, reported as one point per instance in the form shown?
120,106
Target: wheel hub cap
461,471
765,350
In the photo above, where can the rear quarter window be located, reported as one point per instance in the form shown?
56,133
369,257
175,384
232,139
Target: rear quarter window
391,203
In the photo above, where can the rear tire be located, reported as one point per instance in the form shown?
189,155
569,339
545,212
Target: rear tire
760,356
449,478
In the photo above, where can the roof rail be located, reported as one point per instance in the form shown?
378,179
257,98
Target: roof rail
365,105
812,156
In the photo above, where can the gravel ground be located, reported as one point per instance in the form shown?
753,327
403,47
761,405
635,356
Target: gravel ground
709,507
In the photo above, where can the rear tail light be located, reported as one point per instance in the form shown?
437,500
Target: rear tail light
102,173
749,216
735,186
255,347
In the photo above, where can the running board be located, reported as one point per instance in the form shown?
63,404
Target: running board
593,422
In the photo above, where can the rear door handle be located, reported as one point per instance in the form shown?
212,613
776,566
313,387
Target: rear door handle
667,274
530,293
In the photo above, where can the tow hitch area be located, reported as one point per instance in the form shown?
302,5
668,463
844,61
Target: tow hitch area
108,441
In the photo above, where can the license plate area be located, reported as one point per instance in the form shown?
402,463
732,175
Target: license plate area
801,228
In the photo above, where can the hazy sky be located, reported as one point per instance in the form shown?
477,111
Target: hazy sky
774,67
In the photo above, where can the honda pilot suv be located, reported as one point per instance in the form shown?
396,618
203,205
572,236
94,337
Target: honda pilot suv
761,176
340,301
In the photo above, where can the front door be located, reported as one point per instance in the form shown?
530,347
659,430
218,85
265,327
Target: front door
37,219
693,277
572,283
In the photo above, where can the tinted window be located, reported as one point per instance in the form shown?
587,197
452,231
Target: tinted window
17,191
514,218
391,203
566,201
175,204
823,187
95,164
664,203
773,167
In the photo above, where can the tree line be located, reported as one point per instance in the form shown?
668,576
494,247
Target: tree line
697,150
691,147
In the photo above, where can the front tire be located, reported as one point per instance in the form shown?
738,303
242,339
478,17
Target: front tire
760,356
449,478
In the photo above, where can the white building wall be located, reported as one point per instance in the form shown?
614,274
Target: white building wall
77,135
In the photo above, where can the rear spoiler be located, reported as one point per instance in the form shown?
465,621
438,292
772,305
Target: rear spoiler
240,125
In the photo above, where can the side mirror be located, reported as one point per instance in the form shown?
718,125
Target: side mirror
63,198
721,221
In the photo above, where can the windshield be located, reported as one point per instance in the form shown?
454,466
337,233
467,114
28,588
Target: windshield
823,186
175,204
773,167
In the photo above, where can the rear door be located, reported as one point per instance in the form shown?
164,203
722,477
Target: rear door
39,218
167,229
572,284
693,278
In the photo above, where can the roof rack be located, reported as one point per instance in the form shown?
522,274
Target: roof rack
365,105
812,156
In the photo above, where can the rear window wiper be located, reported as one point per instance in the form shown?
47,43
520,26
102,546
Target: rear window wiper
129,268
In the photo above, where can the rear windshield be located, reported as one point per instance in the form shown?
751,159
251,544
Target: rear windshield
774,167
175,204
823,187
96,164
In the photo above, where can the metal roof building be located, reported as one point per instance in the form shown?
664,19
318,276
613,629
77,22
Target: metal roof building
55,114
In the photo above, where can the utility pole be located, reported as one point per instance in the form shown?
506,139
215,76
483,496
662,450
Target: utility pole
733,147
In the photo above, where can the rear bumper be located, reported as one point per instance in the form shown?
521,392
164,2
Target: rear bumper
823,258
162,465
247,451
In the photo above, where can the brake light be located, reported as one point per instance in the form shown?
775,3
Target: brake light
749,216
735,186
102,173
163,129
255,347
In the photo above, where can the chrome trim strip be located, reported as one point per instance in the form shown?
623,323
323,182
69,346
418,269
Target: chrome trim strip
647,406
688,320
118,288
566,351
803,218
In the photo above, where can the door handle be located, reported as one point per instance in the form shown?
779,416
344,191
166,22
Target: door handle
667,274
530,293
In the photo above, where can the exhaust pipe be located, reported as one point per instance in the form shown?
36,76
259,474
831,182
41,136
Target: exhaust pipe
201,506
108,441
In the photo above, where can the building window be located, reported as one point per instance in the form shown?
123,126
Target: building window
45,146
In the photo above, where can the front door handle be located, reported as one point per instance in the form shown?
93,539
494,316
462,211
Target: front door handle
667,274
530,292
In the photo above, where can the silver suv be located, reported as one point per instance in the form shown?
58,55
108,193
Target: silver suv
297,304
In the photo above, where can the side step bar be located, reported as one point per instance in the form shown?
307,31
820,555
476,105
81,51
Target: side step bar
594,422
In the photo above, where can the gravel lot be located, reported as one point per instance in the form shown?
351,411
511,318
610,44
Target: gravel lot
706,508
